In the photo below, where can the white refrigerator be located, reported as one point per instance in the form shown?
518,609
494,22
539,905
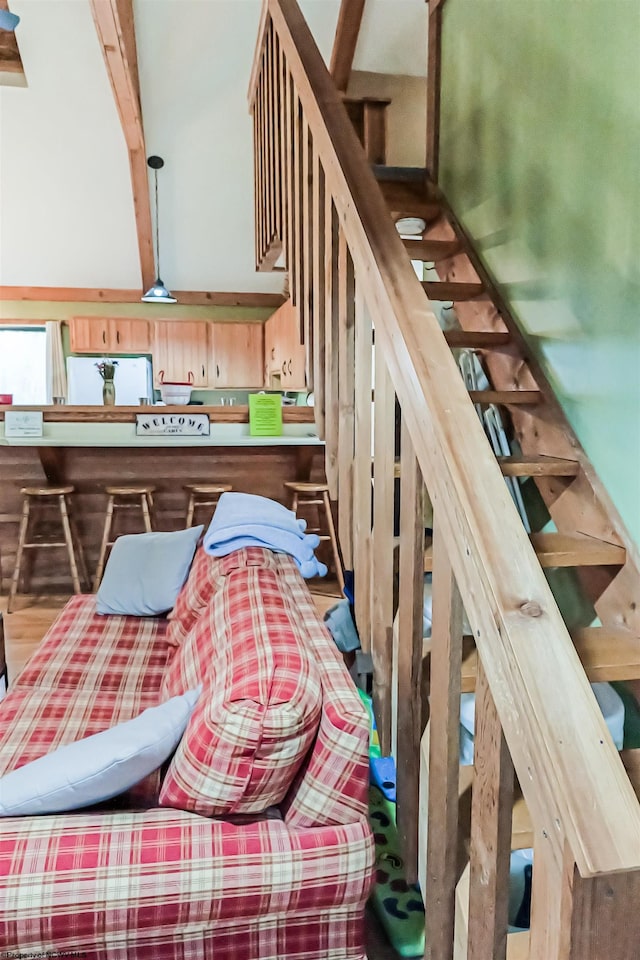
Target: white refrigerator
132,380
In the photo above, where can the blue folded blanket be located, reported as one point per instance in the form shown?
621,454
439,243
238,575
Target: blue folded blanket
247,520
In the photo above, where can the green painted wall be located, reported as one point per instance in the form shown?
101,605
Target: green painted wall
540,157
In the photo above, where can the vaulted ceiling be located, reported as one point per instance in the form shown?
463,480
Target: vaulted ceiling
67,216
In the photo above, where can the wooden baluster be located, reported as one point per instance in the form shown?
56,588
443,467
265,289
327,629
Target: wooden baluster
362,469
287,157
332,322
256,185
264,204
266,121
291,253
275,126
281,173
490,831
599,915
319,288
346,398
306,227
382,560
408,656
259,180
444,750
297,284
271,133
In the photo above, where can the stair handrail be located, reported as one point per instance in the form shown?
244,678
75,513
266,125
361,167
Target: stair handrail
572,777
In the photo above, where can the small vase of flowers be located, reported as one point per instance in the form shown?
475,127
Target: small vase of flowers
107,370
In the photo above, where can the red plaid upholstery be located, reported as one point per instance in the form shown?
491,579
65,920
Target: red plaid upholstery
332,785
204,580
260,708
119,656
34,722
163,884
169,885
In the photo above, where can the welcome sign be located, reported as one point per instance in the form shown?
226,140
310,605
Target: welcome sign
172,424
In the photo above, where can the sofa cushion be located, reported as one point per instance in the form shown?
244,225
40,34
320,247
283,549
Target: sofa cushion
120,656
260,707
35,722
146,571
98,767
205,579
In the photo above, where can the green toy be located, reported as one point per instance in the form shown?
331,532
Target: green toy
398,905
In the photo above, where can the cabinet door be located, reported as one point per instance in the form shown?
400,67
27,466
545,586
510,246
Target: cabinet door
89,335
293,352
271,364
237,351
128,336
181,348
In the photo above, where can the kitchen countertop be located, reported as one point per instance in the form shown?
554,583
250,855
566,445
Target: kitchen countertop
116,427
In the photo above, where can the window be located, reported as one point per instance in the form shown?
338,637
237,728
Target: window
23,364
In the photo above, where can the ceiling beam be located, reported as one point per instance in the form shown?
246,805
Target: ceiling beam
116,32
192,298
346,39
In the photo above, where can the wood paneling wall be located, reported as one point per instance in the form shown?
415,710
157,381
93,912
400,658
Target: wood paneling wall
260,470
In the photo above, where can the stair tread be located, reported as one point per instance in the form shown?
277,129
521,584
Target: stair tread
575,550
426,249
565,550
506,397
383,172
538,465
605,654
518,945
534,466
477,338
452,290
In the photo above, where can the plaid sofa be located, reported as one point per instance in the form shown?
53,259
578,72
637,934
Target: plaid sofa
132,879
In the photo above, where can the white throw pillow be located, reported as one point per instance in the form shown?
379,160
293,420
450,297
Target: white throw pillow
146,572
99,767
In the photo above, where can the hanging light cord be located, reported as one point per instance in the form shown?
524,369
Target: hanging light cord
155,173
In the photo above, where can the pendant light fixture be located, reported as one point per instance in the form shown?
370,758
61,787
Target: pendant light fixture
157,293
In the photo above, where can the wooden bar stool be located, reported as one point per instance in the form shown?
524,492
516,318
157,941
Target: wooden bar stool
306,494
40,498
204,495
123,498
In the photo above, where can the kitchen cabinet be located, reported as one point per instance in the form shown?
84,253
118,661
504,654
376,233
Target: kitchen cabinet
181,350
109,335
237,355
285,360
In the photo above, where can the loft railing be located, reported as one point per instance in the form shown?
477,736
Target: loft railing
318,204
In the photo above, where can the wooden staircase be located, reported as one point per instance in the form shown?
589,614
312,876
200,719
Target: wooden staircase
537,722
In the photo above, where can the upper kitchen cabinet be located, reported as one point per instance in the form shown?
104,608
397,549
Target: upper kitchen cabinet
180,351
109,335
285,362
237,350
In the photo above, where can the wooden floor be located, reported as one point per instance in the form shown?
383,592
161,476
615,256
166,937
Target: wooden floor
32,617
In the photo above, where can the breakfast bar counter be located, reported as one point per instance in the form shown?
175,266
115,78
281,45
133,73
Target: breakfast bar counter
92,447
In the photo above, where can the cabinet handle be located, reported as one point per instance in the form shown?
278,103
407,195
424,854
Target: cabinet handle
217,370
289,368
273,353
284,368
203,371
117,336
104,336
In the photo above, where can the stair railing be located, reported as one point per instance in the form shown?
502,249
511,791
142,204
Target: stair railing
536,718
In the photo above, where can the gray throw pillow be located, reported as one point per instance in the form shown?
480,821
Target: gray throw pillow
146,571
